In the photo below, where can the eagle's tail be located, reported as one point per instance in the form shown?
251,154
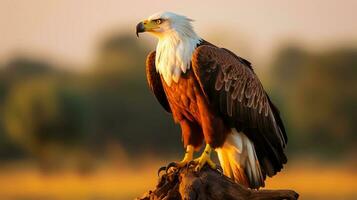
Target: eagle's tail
239,160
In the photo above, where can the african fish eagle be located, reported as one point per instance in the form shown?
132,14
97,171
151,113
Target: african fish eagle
216,98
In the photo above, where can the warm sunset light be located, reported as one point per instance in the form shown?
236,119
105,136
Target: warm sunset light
97,96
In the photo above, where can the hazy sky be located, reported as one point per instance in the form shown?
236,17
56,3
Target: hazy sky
70,29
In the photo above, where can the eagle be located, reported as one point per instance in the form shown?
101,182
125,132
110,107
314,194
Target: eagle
217,99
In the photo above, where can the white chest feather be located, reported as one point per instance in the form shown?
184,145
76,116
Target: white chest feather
173,56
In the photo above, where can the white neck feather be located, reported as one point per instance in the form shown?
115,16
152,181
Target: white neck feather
173,53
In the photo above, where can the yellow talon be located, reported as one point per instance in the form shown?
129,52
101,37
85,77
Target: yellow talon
185,161
188,156
205,158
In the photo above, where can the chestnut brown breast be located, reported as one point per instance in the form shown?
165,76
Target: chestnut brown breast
182,97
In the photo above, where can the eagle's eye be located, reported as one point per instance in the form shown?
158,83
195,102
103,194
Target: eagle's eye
158,21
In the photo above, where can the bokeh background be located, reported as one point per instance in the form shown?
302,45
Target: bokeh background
77,120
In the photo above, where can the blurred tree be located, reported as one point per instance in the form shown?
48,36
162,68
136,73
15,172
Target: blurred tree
120,53
20,68
319,93
16,70
44,115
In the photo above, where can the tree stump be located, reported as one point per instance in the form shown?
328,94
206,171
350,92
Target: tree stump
186,184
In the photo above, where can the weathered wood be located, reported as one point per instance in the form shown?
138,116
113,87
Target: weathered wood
185,183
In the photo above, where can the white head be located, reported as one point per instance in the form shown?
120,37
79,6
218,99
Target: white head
177,42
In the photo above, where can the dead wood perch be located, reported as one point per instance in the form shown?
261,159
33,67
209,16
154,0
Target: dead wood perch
185,184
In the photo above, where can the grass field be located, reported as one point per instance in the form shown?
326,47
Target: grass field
311,181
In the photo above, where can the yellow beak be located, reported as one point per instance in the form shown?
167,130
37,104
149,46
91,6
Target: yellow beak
145,26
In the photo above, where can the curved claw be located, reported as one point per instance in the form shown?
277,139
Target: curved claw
163,168
219,169
192,162
172,164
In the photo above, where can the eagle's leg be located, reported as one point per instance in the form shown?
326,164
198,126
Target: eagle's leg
184,162
205,158
188,156
186,159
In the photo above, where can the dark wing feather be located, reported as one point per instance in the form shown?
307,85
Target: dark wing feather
231,86
154,81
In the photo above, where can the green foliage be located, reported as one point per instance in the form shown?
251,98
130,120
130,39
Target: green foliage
318,92
42,111
121,54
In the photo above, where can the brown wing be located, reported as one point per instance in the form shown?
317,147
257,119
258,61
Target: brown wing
154,81
231,86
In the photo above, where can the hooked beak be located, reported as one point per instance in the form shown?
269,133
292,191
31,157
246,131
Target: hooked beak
140,28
